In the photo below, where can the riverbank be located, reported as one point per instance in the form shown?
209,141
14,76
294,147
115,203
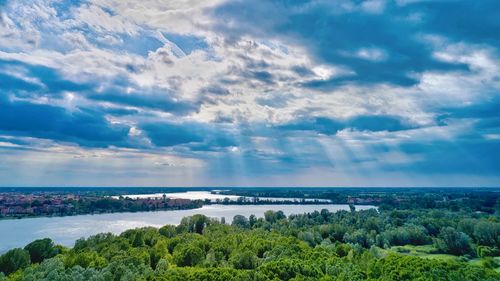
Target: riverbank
66,230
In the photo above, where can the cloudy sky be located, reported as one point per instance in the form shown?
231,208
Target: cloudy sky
250,93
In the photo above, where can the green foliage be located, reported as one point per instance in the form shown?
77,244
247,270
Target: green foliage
272,216
13,260
359,237
396,267
244,260
485,251
194,224
453,242
168,231
41,249
84,259
241,221
286,269
487,233
188,255
321,246
413,235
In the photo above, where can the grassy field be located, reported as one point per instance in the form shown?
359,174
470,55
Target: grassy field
430,252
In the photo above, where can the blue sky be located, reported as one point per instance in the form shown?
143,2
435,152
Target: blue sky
250,93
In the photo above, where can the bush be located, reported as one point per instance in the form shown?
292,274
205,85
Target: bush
485,251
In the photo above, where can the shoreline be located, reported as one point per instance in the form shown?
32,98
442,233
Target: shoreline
10,218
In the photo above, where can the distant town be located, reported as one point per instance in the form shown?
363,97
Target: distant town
19,205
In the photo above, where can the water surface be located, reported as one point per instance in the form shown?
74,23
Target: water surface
65,230
203,195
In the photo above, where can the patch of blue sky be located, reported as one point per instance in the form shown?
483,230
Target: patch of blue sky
141,44
64,8
187,43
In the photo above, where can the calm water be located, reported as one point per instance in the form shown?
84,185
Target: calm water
202,195
65,230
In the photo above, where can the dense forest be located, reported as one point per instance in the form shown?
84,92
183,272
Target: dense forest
384,244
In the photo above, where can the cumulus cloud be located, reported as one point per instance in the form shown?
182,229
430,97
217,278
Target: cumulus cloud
345,87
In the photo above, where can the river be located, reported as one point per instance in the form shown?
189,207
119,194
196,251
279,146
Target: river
65,230
213,197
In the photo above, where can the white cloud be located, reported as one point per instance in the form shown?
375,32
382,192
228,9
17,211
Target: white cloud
250,81
372,54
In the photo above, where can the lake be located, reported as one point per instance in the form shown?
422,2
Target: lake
65,230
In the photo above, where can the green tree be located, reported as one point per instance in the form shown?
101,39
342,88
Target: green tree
241,221
162,266
168,231
138,240
41,249
188,255
487,233
454,242
252,220
244,260
270,216
194,224
13,260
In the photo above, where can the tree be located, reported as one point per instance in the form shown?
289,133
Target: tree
467,226
41,249
252,220
487,233
194,223
138,239
359,237
352,208
162,266
188,255
168,231
244,260
13,260
85,259
280,215
158,252
270,216
411,234
241,221
453,242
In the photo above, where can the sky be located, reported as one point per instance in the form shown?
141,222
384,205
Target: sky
250,93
